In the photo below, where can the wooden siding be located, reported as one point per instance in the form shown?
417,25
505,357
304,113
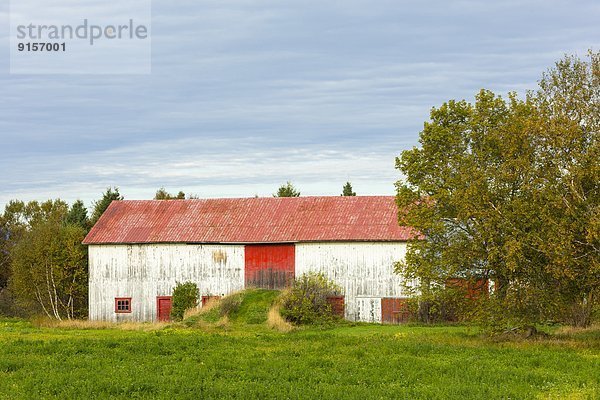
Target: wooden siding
368,309
394,310
144,272
337,305
364,270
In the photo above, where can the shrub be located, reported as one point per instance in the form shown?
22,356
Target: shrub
306,301
185,296
443,305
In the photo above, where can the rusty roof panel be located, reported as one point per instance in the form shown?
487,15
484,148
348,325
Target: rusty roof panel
250,220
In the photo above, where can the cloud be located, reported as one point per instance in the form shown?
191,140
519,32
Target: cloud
245,94
208,168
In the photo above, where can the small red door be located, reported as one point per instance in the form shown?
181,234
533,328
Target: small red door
394,310
163,308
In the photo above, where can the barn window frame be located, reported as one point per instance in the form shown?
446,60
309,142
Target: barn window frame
123,305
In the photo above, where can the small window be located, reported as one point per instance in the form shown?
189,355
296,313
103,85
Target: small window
123,304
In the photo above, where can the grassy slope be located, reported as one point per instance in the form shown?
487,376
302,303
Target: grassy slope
250,361
255,305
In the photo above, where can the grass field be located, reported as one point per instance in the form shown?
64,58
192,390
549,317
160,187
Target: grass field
236,359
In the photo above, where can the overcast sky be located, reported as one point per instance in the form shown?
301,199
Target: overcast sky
245,95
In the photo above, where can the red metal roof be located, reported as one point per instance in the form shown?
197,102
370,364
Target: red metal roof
250,220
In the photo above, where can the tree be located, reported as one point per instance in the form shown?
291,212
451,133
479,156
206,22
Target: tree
569,100
17,218
507,190
162,194
48,261
347,190
101,205
185,297
4,256
287,190
12,225
78,215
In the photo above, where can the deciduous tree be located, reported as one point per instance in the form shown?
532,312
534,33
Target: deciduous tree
49,263
508,190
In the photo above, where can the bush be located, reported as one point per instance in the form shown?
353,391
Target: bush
185,296
306,301
440,305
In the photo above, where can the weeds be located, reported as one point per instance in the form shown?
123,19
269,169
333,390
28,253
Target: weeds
276,321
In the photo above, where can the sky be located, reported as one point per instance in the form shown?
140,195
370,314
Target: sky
246,95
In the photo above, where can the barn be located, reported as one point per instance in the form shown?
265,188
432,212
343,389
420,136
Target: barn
138,250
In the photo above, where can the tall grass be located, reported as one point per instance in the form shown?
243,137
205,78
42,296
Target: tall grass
276,321
43,322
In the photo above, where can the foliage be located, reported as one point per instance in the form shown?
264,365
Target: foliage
442,304
49,267
78,216
162,194
347,190
287,190
5,246
252,361
306,301
16,219
101,205
185,296
509,190
9,306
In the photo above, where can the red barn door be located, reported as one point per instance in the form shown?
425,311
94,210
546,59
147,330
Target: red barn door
269,266
163,308
394,310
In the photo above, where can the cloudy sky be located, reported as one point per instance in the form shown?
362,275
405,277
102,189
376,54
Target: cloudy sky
245,95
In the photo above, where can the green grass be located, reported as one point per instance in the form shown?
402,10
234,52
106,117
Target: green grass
255,306
247,307
247,360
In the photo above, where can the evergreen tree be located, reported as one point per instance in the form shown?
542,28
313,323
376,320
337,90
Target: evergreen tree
287,190
162,194
347,190
101,205
78,215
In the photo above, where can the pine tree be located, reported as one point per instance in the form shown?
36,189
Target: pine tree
347,191
287,190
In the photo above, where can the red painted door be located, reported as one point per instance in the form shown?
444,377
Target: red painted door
269,266
163,308
394,310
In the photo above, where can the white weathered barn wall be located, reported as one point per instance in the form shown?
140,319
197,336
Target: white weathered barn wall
365,271
368,309
144,272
